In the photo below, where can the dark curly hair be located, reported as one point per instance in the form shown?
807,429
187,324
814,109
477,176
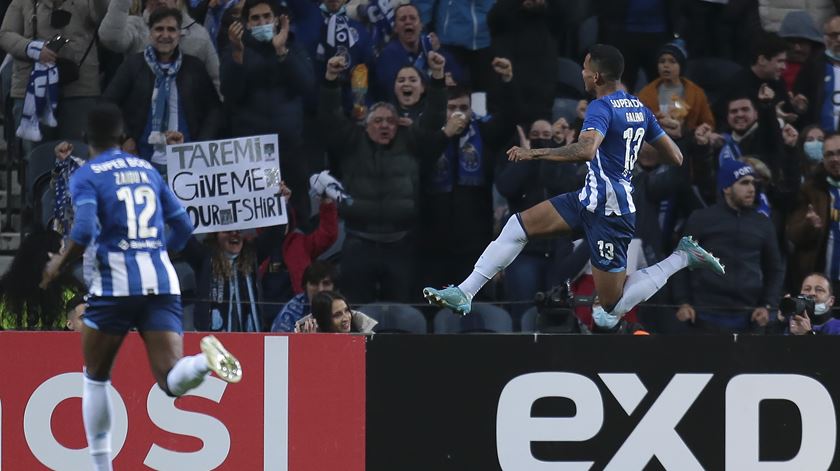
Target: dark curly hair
23,305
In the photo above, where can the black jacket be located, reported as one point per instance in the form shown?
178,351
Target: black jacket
132,87
264,94
746,244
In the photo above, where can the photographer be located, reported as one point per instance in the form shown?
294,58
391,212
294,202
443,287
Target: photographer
810,312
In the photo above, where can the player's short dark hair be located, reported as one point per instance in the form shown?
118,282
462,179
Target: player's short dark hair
768,45
104,126
607,60
458,91
73,302
249,4
317,271
158,14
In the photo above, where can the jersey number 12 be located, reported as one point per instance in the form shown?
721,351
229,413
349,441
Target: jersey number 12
139,226
632,144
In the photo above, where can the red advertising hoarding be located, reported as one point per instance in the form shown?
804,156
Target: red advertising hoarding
300,406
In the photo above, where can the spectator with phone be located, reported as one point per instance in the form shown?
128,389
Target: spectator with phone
68,65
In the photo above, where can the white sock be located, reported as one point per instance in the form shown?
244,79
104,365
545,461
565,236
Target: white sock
187,374
496,257
643,284
96,412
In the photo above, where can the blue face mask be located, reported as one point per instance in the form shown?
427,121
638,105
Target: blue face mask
814,150
832,55
263,33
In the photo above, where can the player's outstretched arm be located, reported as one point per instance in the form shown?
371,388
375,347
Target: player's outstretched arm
668,150
581,151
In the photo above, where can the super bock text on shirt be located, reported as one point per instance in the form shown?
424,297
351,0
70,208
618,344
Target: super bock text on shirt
625,123
128,255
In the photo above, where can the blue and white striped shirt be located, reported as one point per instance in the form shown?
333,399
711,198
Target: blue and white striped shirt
624,122
128,254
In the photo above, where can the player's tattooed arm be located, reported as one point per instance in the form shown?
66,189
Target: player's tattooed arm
581,151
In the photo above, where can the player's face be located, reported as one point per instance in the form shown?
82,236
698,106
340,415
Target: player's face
407,24
741,115
382,126
230,241
314,288
341,316
460,104
742,193
772,68
408,87
669,68
831,156
541,129
832,36
588,75
817,287
259,15
165,35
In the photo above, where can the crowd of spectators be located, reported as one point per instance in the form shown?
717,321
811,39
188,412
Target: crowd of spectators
410,106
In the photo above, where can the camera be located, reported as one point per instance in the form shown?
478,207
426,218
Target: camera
555,310
797,305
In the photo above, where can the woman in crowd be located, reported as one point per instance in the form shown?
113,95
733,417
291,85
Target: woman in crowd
331,313
409,90
811,149
23,304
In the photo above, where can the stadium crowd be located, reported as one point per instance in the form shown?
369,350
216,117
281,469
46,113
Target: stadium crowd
410,107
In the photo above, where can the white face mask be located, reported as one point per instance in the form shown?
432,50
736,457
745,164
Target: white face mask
820,309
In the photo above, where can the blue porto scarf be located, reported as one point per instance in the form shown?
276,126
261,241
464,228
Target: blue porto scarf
462,162
730,150
337,34
380,14
164,78
420,60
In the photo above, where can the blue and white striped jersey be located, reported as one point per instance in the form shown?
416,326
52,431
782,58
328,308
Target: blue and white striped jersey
128,254
624,122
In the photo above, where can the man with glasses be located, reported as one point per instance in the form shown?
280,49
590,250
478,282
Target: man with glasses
819,80
814,226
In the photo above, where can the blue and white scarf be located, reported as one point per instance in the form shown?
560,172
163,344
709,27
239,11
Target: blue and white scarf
380,13
420,61
62,210
468,153
164,102
763,204
337,33
213,20
41,98
730,150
